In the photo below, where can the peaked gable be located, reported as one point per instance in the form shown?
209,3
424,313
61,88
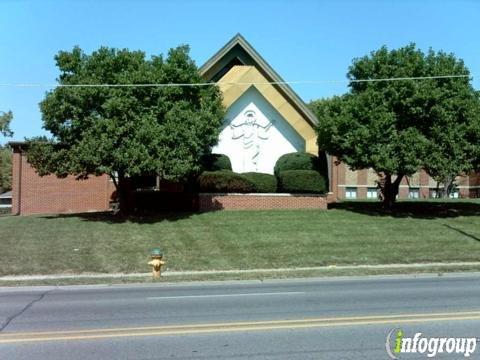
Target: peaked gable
239,52
238,80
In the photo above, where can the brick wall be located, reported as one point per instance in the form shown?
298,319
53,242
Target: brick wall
469,186
33,194
362,180
340,193
209,202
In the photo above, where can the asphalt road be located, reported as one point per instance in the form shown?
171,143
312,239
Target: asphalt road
314,319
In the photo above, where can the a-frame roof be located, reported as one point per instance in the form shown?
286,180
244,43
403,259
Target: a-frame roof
239,52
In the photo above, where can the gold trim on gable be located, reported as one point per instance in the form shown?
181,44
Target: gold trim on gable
238,80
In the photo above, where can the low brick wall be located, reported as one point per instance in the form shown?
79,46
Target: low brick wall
210,202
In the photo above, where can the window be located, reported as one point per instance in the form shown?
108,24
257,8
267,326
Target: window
5,202
454,194
144,182
372,193
351,193
414,193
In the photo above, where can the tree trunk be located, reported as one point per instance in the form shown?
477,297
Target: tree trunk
121,206
122,194
445,190
390,190
447,186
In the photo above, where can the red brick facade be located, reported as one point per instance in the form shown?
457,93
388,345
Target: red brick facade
33,194
418,186
209,202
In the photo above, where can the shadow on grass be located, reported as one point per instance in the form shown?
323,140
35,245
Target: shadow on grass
464,233
110,218
151,207
413,209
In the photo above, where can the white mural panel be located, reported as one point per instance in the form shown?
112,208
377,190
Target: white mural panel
255,135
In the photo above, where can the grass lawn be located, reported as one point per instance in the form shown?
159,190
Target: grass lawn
351,233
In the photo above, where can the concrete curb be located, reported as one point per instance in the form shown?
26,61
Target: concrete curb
237,271
222,283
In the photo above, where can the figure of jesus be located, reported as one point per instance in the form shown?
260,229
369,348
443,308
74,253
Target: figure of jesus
252,134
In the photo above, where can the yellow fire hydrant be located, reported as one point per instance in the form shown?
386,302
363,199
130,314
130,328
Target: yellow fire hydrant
156,262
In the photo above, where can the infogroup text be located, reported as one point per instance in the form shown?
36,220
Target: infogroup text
398,343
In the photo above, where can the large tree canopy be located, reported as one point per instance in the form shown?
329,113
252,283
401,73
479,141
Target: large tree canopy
129,130
397,127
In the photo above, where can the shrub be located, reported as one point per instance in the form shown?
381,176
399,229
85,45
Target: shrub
224,181
264,183
298,161
302,181
215,162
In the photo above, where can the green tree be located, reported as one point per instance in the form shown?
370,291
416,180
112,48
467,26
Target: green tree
5,119
395,127
129,130
5,153
5,168
454,139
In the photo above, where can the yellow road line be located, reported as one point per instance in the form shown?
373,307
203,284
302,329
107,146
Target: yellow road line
308,320
93,334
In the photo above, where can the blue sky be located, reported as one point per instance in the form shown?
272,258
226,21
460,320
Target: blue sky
302,40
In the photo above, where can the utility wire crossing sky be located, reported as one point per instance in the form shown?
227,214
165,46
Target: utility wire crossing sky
310,40
242,83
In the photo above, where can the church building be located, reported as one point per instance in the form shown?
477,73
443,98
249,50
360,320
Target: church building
264,120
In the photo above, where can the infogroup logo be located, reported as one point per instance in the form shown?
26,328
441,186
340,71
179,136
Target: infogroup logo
397,343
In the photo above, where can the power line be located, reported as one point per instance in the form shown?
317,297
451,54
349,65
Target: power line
25,85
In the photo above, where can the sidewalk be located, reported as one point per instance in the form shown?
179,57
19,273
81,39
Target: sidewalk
167,273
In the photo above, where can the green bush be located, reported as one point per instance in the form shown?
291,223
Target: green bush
264,183
215,162
302,181
299,161
224,181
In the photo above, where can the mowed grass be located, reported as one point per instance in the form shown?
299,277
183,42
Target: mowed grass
351,233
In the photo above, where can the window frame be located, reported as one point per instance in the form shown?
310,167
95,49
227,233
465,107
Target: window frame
350,190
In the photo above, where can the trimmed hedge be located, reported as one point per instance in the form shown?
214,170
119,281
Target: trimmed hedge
224,181
215,162
264,183
302,181
298,161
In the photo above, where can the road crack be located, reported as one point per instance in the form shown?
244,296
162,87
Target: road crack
22,311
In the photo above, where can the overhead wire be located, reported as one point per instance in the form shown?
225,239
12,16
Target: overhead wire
346,81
